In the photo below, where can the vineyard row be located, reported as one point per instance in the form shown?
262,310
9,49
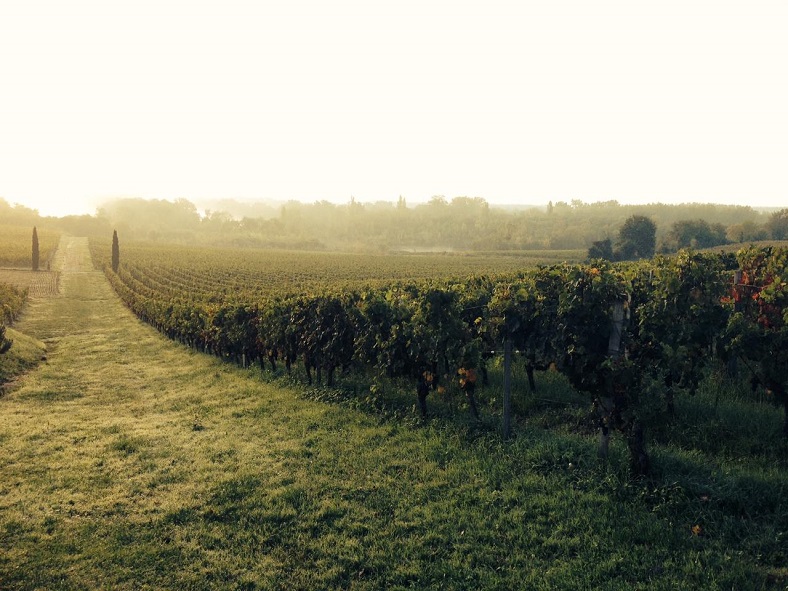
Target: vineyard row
677,311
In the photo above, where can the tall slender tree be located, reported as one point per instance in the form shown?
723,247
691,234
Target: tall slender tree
36,253
115,251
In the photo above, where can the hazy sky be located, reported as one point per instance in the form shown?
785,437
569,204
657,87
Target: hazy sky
522,101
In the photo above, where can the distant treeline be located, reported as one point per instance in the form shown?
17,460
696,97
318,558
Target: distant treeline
462,223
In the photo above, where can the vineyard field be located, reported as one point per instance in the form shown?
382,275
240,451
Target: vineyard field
240,275
16,246
436,327
39,284
131,461
430,318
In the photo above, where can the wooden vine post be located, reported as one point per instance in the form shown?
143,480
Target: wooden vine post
507,388
733,364
614,352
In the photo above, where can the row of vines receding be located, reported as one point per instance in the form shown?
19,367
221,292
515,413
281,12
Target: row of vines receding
621,334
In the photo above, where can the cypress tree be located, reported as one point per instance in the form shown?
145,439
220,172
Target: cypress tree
115,252
36,255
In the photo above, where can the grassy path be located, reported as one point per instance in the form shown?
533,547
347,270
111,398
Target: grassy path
130,462
119,428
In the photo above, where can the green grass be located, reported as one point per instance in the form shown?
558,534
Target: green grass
25,353
130,462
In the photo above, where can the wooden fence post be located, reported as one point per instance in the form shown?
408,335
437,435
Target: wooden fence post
613,351
733,369
507,388
616,328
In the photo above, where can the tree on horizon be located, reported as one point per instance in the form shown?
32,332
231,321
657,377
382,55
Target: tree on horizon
637,238
601,249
